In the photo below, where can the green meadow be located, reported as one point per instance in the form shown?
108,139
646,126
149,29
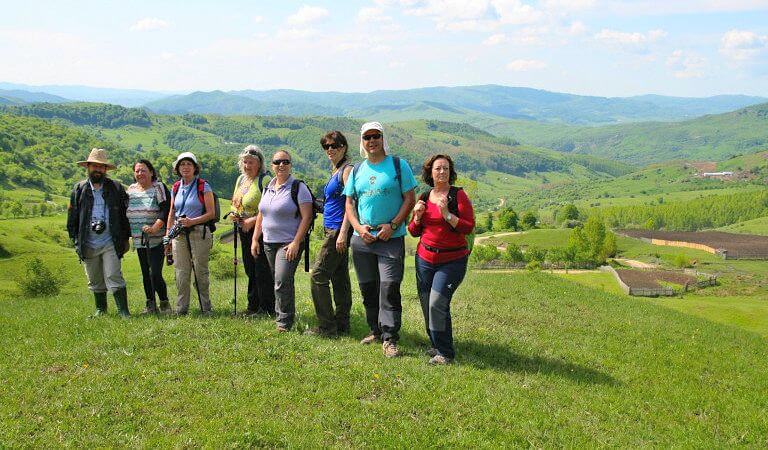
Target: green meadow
543,360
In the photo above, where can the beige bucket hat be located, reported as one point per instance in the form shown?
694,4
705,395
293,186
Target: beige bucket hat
97,156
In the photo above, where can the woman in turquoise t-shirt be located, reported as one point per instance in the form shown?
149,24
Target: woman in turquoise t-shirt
379,197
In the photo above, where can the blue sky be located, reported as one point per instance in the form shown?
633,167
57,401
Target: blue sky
596,47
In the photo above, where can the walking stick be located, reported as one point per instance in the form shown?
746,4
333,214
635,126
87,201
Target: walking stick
235,232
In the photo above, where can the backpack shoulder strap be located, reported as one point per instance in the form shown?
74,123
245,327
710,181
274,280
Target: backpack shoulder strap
453,200
340,174
295,194
425,196
175,188
261,180
398,173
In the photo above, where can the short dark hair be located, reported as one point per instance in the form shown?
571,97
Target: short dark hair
176,169
426,169
336,137
149,166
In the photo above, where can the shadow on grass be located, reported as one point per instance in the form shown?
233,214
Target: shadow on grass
502,358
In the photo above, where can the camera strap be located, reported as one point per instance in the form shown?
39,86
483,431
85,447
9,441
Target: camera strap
191,187
103,199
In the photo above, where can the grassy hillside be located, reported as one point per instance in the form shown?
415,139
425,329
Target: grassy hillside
713,137
560,364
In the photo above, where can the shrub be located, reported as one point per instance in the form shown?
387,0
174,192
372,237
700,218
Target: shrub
533,266
3,252
681,261
484,253
534,253
221,267
38,280
513,254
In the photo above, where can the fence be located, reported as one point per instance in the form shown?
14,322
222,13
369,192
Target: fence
638,292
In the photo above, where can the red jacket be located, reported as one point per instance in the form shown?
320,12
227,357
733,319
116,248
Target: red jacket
437,233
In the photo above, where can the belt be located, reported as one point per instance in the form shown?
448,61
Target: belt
442,250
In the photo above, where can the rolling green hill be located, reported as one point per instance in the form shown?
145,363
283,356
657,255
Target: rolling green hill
713,137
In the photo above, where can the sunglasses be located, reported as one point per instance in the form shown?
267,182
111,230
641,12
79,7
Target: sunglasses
368,137
333,146
281,162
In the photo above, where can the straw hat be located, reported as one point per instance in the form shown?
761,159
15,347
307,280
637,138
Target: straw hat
97,156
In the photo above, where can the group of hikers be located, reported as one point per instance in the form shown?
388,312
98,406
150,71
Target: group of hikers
366,209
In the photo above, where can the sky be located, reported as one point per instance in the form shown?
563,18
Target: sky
590,47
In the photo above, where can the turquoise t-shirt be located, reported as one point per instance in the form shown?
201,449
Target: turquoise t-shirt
378,192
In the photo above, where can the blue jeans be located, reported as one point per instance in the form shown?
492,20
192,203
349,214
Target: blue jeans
436,284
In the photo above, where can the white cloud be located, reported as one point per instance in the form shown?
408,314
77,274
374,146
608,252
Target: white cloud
525,65
686,65
515,12
370,14
149,24
568,5
742,45
577,28
657,8
637,42
294,34
307,14
496,39
396,64
258,19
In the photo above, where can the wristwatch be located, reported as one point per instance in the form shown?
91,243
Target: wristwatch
394,225
448,218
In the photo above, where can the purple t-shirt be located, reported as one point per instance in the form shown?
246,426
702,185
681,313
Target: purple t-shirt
279,221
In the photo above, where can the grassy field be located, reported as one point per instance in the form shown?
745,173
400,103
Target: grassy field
543,360
754,226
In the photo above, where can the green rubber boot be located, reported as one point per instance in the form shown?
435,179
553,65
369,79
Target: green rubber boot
121,300
101,304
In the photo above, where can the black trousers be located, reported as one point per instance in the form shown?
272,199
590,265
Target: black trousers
261,285
151,262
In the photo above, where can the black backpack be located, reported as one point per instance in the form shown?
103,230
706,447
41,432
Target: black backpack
453,208
317,208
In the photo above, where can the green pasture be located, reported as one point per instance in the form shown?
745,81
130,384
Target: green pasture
754,226
543,360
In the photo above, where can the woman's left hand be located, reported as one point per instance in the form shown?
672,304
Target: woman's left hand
186,222
247,224
341,243
291,251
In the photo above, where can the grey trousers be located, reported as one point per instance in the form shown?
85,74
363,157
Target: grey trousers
283,272
201,252
102,267
379,268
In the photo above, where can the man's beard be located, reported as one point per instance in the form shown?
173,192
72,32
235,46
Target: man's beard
96,177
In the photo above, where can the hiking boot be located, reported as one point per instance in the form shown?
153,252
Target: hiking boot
281,329
121,300
390,349
317,331
151,308
342,329
249,313
370,339
432,352
207,313
165,306
440,360
101,304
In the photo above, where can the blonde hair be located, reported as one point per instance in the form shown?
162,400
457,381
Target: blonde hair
251,151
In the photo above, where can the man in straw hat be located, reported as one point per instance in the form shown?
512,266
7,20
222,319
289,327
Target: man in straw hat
98,226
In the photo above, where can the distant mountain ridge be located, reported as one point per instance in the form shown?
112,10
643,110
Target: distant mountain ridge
122,97
492,100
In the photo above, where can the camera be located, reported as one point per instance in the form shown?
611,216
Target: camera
173,232
98,226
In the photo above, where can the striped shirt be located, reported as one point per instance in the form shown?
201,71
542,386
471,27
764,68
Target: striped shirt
144,209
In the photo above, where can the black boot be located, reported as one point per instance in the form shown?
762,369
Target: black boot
165,306
151,307
121,300
101,304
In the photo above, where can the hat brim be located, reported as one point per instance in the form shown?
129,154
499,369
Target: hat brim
85,164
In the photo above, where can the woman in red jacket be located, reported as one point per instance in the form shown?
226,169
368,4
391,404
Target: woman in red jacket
442,218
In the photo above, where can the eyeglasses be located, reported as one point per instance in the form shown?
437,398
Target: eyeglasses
333,146
368,137
281,162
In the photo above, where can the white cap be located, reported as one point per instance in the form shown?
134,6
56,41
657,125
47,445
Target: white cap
185,155
372,126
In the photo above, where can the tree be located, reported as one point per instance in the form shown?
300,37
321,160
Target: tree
535,253
513,254
489,221
568,212
508,219
528,221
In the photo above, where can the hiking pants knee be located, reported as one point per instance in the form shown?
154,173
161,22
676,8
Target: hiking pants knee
436,284
379,274
283,272
151,261
261,285
102,267
331,267
183,258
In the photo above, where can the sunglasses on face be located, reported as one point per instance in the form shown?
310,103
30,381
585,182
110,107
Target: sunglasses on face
281,162
333,146
368,137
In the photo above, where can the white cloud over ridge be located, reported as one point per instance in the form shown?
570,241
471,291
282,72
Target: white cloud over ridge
742,45
149,24
526,65
630,41
686,65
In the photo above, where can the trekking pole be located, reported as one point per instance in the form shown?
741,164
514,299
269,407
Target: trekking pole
192,263
235,229
145,244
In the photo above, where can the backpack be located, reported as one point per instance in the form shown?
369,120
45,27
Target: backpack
340,175
201,197
453,208
317,208
261,180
